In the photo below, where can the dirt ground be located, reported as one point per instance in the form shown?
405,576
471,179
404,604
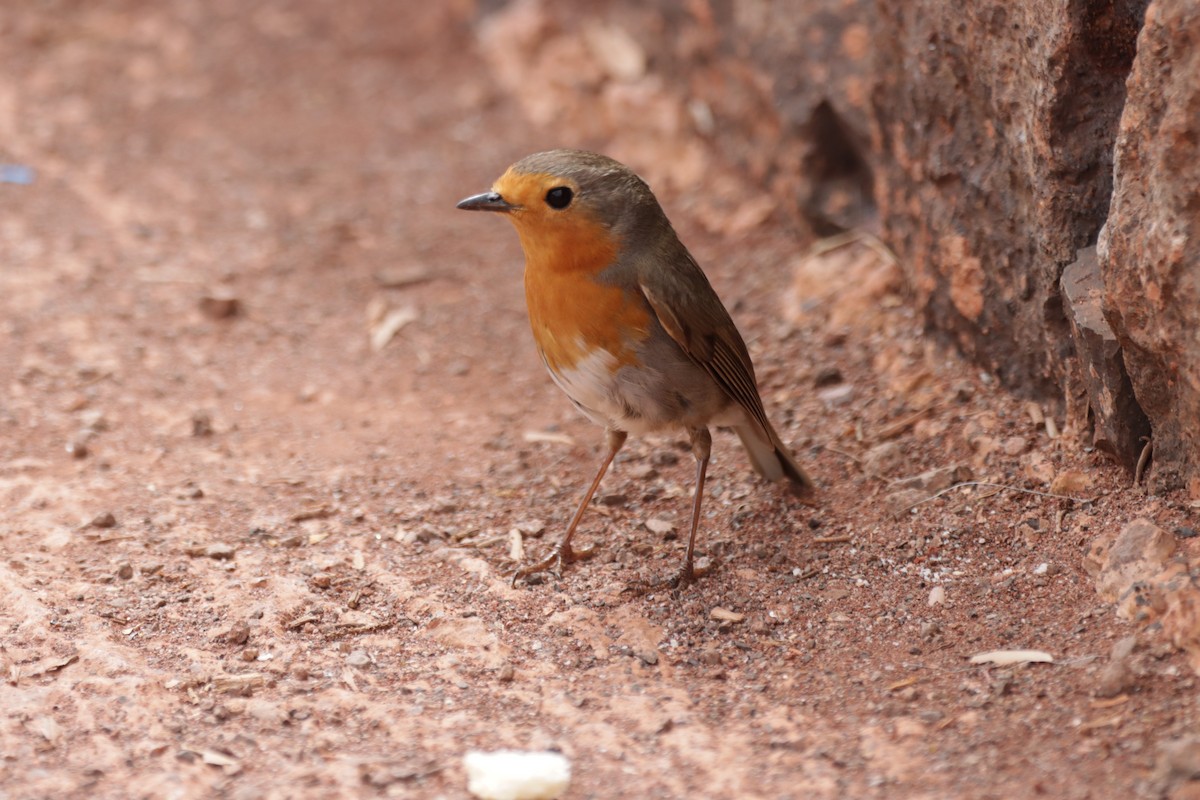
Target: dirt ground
272,426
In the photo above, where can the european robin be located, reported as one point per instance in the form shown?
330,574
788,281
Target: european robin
627,323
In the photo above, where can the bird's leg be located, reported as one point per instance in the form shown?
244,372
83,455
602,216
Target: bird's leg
563,553
701,449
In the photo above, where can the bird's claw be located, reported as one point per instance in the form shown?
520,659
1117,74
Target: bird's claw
554,562
676,583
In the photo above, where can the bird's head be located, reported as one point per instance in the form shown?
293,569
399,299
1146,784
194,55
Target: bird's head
572,209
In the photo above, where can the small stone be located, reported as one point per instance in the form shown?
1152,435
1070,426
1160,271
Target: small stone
239,633
614,500
1015,445
250,654
659,525
937,595
202,423
506,673
358,658
827,376
77,447
219,551
1071,481
1184,532
1138,553
220,305
1117,676
838,395
530,527
647,657
104,520
125,571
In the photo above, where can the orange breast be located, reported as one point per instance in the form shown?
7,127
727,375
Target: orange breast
572,313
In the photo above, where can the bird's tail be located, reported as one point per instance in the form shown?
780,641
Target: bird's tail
771,459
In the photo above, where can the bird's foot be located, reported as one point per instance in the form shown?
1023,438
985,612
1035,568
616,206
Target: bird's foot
676,583
553,563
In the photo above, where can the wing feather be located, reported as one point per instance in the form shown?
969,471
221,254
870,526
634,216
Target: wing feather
726,362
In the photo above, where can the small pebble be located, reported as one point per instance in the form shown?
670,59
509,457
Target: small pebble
77,447
104,520
658,525
837,395
1015,445
647,657
827,376
201,423
220,551
614,500
239,633
1117,675
358,658
220,305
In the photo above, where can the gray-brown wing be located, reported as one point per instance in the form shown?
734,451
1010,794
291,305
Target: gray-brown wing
705,332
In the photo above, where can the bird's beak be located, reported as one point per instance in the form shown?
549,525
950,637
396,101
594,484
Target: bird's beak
488,201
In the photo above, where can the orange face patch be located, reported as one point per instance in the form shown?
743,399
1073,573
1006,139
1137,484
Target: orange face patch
565,249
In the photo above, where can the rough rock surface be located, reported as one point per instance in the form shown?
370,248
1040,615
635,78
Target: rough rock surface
1149,255
995,124
1098,376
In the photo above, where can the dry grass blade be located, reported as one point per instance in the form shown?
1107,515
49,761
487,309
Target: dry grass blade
1001,487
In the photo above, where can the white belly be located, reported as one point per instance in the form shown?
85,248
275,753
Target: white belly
641,400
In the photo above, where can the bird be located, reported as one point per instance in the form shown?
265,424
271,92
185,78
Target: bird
628,325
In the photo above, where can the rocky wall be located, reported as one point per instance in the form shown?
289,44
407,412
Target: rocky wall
1150,249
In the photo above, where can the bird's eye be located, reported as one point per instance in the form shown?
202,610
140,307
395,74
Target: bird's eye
559,197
